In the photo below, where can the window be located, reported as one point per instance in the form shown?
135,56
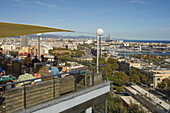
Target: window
158,79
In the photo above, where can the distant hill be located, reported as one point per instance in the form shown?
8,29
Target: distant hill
59,36
88,37
148,41
66,37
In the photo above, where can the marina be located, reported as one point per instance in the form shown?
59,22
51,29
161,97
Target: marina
143,53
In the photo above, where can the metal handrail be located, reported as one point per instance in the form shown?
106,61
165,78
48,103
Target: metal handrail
53,75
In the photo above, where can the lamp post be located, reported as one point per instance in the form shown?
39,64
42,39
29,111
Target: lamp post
99,33
39,35
4,46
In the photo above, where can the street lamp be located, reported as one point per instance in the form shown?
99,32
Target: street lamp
99,33
39,35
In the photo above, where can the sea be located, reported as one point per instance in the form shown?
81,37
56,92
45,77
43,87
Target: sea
146,53
148,41
142,53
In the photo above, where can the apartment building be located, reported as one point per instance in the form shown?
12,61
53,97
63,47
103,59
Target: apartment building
159,75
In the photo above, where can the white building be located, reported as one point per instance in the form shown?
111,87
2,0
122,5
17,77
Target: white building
89,42
24,41
125,45
120,41
7,47
72,46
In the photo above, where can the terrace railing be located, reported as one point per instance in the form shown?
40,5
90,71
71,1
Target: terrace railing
22,98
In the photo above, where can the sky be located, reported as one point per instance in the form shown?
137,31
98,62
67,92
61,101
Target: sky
125,19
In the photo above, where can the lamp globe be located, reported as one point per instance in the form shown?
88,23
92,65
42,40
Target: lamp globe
100,32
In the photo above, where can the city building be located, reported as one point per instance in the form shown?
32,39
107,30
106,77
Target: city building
119,41
88,42
109,38
8,47
128,100
72,46
24,41
137,65
126,45
34,50
64,52
159,75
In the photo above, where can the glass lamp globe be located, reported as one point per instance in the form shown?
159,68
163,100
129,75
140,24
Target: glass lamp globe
100,32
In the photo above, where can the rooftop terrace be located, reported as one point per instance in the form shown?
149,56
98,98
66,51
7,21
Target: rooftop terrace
74,91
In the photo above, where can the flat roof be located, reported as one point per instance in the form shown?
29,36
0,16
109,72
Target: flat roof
130,99
162,71
15,29
162,75
154,98
131,90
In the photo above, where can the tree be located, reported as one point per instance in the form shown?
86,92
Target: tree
165,86
103,61
113,63
78,54
54,48
12,53
144,79
105,55
134,75
134,108
133,71
149,82
117,81
118,88
134,78
72,55
115,105
109,69
122,76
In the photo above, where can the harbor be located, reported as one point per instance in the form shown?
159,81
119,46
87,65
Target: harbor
143,53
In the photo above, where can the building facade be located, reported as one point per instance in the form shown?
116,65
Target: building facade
158,76
24,41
